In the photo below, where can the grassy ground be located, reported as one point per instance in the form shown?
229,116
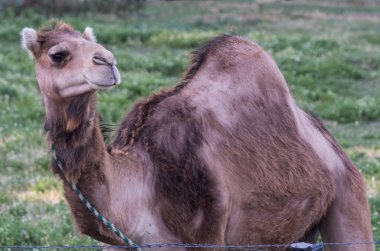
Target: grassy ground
329,54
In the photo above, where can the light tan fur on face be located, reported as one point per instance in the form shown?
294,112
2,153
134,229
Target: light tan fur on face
87,66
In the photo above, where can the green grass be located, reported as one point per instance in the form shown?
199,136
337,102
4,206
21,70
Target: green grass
329,54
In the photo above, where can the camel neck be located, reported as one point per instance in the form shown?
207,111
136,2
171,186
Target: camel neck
72,126
69,122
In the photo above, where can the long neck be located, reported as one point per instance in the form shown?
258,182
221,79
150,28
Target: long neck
73,127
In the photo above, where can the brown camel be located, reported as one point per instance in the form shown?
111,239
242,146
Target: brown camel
225,157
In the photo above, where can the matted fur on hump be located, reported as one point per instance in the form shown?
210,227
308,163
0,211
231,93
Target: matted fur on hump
134,121
165,125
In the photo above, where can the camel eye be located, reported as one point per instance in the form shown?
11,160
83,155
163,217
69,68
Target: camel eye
58,57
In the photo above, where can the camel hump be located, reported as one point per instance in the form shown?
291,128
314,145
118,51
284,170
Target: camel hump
231,67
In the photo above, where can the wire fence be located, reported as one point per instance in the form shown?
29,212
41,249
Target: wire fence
268,247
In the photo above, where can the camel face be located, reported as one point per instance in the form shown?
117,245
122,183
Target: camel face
69,63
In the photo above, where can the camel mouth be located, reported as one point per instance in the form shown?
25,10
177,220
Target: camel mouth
102,86
104,78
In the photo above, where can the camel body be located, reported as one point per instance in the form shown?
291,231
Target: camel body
225,157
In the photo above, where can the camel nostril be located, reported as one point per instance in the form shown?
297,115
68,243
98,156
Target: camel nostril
100,60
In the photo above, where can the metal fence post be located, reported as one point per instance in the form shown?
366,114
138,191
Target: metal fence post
303,246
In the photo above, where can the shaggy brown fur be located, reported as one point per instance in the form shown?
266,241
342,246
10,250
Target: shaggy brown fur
135,121
225,157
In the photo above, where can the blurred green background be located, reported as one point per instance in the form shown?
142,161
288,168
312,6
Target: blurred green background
329,52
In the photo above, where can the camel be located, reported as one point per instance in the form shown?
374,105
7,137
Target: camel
225,157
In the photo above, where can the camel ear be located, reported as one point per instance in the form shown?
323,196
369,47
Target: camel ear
89,34
29,41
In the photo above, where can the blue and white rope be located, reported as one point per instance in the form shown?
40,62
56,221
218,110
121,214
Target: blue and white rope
92,209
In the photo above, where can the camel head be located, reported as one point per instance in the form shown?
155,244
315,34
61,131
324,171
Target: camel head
69,63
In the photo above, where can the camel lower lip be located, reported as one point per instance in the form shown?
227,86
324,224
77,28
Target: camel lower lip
100,85
105,86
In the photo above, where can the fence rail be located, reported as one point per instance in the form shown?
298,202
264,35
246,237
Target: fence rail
294,246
